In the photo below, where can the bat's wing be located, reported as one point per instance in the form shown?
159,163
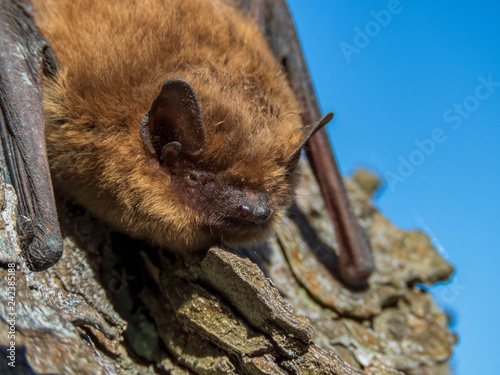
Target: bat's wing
24,57
274,18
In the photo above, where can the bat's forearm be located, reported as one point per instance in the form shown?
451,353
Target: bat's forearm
24,56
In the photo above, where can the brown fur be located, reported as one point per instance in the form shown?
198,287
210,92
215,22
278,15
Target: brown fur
114,57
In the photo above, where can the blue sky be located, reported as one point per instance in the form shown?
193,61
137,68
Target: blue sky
416,97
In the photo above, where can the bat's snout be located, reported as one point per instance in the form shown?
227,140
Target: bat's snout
254,213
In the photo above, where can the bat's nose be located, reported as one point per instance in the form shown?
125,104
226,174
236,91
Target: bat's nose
254,213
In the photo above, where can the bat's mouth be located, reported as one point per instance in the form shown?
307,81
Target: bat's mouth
248,218
236,230
238,225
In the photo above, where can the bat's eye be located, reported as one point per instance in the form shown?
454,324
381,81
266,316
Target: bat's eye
192,178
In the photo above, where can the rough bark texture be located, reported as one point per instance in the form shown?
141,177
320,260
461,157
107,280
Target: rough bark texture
114,305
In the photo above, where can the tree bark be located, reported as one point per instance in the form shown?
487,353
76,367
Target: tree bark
114,305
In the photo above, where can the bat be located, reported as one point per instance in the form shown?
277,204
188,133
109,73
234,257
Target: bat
175,123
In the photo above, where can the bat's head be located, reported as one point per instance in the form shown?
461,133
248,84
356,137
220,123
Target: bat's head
230,176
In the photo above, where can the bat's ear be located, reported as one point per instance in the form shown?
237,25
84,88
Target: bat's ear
174,123
307,132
